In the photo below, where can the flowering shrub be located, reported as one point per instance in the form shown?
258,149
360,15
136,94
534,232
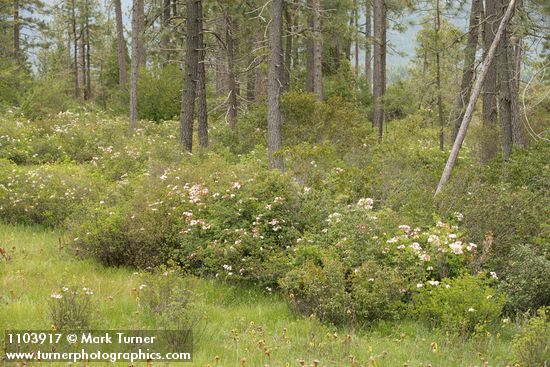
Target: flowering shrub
46,194
71,308
464,304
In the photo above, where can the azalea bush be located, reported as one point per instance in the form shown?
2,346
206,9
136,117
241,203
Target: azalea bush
45,194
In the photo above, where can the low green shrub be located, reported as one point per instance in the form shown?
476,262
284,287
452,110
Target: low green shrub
463,305
531,347
377,292
319,290
526,279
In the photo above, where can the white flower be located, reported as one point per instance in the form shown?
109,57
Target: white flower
405,228
365,203
419,285
56,296
447,286
142,286
471,309
236,185
433,282
227,267
416,247
471,246
424,257
459,216
456,247
493,275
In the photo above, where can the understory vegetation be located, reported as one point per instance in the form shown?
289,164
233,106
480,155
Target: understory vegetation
348,235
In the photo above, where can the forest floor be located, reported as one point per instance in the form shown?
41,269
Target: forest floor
239,325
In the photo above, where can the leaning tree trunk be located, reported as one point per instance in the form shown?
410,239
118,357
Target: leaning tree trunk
505,90
202,114
191,75
473,98
468,68
121,49
379,65
274,117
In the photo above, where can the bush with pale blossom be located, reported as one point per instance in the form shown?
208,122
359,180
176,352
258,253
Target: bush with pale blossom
462,305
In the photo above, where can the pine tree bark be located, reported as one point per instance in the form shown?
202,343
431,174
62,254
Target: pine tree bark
288,48
88,94
135,64
317,61
82,62
379,75
121,48
16,33
260,78
191,75
356,37
368,44
438,77
274,87
202,114
232,106
75,50
164,24
489,147
468,67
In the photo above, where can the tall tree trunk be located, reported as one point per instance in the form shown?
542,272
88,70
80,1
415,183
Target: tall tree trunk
121,48
82,62
221,60
88,93
16,33
142,56
489,145
231,81
191,75
488,60
202,115
309,49
288,48
164,24
468,68
515,57
260,77
134,74
438,77
379,65
317,62
75,51
505,88
356,37
368,44
274,117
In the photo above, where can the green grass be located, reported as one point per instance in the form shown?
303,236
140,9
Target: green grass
240,325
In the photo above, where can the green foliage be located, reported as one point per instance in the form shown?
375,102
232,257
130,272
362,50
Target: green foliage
160,93
319,290
71,309
377,292
46,97
464,305
165,294
531,347
526,279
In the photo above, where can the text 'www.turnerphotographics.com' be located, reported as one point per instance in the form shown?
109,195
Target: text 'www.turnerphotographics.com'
98,345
